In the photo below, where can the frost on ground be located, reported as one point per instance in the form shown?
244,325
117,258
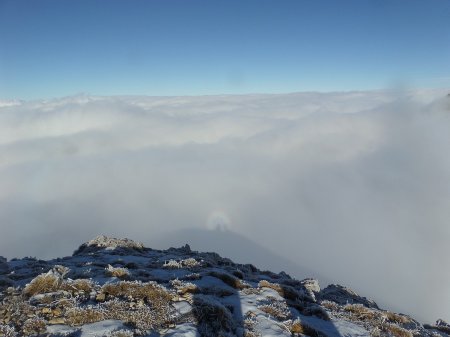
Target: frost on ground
119,288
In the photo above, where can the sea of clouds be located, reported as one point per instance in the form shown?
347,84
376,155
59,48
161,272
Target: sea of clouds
354,187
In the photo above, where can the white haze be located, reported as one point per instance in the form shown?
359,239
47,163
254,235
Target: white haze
352,186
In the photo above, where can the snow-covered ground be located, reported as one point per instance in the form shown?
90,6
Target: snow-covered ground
112,287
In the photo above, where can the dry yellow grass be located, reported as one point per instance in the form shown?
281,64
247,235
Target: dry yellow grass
121,273
152,293
330,305
49,283
143,317
361,313
396,331
80,316
188,288
299,328
274,312
15,310
397,318
232,281
42,284
267,284
287,292
183,287
79,285
33,326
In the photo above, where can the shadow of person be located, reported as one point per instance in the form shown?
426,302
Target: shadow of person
221,305
216,318
221,308
217,305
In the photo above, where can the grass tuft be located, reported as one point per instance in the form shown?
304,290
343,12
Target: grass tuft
297,327
41,284
212,316
121,273
232,281
79,316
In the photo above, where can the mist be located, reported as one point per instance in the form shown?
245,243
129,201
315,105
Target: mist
352,187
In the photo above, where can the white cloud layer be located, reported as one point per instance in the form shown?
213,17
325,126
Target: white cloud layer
352,186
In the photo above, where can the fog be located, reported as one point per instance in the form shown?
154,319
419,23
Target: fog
350,187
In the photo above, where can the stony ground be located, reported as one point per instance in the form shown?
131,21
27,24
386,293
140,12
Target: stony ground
118,287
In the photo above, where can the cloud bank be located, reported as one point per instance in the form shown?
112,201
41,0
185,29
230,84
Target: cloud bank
353,186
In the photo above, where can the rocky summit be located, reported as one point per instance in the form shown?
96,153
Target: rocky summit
118,287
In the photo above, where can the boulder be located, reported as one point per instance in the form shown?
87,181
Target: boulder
103,242
4,268
343,295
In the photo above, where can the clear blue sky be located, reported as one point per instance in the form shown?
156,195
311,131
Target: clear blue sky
52,48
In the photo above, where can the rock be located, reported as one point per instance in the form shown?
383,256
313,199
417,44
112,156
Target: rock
441,322
100,297
5,282
208,303
103,242
311,287
4,268
54,321
343,295
61,270
49,297
46,310
311,284
442,326
186,249
56,312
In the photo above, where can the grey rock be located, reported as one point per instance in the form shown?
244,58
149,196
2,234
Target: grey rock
4,268
102,242
343,295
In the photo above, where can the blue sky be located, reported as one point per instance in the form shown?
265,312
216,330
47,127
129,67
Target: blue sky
52,48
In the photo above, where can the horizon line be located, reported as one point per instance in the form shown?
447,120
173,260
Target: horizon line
90,94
